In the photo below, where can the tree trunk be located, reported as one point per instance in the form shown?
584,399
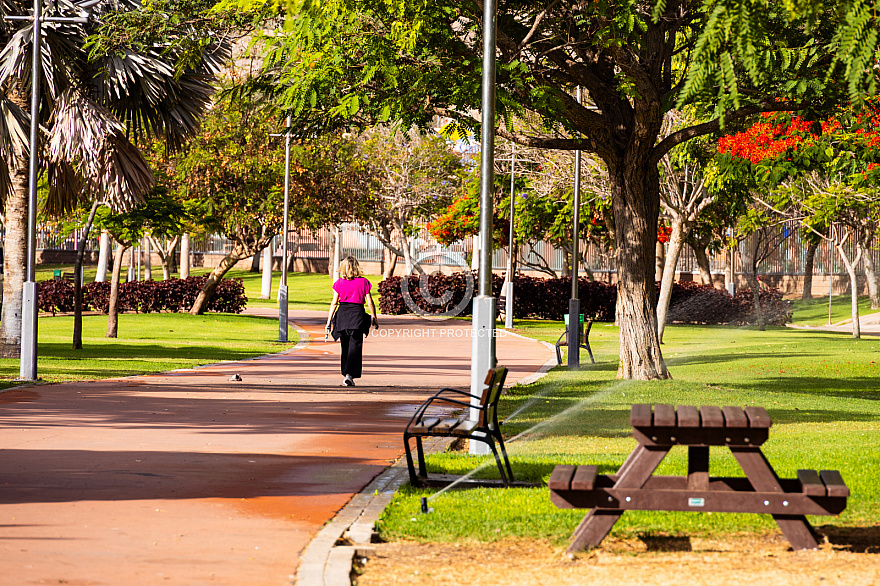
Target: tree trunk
659,261
185,259
14,262
172,258
752,277
853,286
131,273
676,243
635,188
148,259
204,297
812,247
113,307
266,285
870,275
566,262
703,264
165,250
390,263
77,279
103,256
255,267
751,264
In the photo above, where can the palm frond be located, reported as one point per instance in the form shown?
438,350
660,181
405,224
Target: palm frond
65,189
14,140
86,133
143,92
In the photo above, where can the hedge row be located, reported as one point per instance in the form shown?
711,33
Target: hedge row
539,298
173,295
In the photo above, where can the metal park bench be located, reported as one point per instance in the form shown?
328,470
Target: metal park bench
583,338
486,429
743,431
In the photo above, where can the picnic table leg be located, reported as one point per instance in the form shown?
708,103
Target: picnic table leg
796,528
698,467
638,467
593,528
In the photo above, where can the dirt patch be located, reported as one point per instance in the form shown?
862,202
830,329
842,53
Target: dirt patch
846,557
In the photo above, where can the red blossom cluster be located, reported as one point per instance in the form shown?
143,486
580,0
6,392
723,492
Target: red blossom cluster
663,233
454,225
765,140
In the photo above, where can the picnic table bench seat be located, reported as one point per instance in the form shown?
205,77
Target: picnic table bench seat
660,427
485,429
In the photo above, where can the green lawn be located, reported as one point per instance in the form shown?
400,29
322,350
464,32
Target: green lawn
814,312
822,391
159,342
153,342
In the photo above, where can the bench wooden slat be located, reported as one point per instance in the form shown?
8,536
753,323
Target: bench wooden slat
834,483
584,477
640,416
560,478
758,417
711,416
688,416
425,424
664,416
465,427
734,417
445,425
811,484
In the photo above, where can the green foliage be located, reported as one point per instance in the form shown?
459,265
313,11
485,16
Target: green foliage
811,51
185,30
160,214
413,175
232,172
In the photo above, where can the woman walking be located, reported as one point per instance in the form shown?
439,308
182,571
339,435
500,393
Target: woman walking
347,320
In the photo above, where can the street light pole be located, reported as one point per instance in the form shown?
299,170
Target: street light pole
282,288
511,249
483,324
28,352
29,297
574,304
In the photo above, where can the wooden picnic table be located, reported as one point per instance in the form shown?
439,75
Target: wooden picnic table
657,429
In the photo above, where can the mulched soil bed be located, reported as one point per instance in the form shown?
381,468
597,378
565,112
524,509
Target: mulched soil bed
847,556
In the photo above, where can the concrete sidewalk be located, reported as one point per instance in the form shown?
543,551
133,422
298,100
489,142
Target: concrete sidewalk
190,478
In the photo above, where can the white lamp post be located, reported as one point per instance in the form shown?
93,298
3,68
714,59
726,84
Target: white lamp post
483,324
282,288
29,307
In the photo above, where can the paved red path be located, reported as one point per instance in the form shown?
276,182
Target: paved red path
188,478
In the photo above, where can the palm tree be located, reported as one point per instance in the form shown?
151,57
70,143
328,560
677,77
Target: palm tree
96,101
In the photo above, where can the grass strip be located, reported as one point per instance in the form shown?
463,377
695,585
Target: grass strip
153,342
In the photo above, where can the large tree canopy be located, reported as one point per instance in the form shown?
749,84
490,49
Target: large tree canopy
345,61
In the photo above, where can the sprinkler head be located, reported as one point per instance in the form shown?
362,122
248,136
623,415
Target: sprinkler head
425,509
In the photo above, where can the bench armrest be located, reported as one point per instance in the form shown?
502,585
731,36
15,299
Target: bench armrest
420,412
456,391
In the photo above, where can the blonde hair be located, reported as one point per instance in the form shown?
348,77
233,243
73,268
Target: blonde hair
349,268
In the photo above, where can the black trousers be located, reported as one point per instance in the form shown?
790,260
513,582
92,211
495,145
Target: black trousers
352,352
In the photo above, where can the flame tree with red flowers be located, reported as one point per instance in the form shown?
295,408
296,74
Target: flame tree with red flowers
543,208
825,175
